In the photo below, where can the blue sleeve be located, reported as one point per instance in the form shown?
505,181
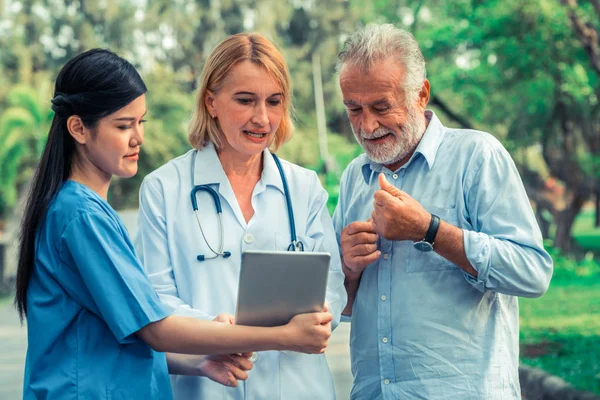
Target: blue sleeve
97,256
505,245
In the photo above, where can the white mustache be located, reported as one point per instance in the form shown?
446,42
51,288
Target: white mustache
376,134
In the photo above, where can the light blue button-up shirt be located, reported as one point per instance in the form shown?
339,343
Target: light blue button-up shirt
421,327
169,240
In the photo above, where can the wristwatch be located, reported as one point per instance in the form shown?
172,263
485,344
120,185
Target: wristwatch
427,243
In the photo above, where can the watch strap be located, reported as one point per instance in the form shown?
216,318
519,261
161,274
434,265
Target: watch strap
434,225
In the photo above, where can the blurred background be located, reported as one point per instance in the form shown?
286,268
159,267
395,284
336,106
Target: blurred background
525,70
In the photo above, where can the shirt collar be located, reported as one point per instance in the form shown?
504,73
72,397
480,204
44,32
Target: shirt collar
209,171
427,147
430,143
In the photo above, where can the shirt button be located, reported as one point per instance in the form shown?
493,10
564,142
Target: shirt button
386,256
395,176
384,340
386,381
253,358
383,297
248,238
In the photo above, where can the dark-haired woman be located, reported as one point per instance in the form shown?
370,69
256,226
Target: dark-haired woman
95,325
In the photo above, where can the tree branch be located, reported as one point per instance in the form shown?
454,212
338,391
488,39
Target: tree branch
443,107
587,35
596,5
413,28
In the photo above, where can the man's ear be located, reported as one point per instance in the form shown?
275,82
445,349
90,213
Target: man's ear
209,102
76,129
424,94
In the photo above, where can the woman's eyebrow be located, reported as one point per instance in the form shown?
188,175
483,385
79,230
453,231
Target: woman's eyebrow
129,118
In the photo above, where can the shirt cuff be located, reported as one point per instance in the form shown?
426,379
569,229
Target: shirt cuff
477,249
192,313
346,318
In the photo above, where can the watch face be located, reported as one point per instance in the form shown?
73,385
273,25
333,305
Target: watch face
423,246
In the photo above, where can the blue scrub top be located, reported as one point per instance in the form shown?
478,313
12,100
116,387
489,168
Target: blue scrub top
87,297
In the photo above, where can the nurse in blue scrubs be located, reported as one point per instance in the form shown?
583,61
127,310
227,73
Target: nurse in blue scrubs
96,328
242,113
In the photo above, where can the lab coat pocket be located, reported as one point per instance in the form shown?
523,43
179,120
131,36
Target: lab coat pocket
283,241
420,261
305,376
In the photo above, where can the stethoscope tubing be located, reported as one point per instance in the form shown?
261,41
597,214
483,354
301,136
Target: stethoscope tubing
295,245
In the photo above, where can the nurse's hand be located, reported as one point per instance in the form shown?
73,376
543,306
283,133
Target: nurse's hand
226,369
309,333
225,318
223,369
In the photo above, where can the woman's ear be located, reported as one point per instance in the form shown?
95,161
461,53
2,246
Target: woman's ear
209,102
77,129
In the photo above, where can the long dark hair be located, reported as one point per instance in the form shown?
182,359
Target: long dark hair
91,85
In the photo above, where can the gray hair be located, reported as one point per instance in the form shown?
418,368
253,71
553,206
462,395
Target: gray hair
377,42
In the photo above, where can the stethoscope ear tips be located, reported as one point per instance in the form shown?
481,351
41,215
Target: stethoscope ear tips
226,254
200,258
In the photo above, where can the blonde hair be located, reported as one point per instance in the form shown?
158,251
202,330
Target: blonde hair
231,51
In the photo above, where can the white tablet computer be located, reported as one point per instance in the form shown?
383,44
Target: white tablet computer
276,285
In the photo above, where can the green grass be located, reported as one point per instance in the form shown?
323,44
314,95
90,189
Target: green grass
584,232
564,326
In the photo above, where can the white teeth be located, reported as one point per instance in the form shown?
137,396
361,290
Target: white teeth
255,135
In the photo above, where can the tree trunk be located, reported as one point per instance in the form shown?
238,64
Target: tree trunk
543,224
564,222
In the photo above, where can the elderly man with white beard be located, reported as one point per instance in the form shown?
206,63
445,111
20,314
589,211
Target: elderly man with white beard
437,236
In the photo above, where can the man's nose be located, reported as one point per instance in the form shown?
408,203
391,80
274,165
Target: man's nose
369,122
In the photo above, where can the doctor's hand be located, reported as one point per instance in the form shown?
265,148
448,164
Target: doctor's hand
396,215
358,242
308,333
225,369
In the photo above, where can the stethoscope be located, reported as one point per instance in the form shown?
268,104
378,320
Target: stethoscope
295,245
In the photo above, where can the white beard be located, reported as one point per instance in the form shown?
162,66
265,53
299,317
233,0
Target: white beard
400,146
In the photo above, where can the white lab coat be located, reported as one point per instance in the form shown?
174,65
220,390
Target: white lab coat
169,240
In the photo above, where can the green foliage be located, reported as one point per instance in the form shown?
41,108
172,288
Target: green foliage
585,233
566,267
303,149
23,129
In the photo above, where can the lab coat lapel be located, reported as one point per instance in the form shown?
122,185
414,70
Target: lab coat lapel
209,171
